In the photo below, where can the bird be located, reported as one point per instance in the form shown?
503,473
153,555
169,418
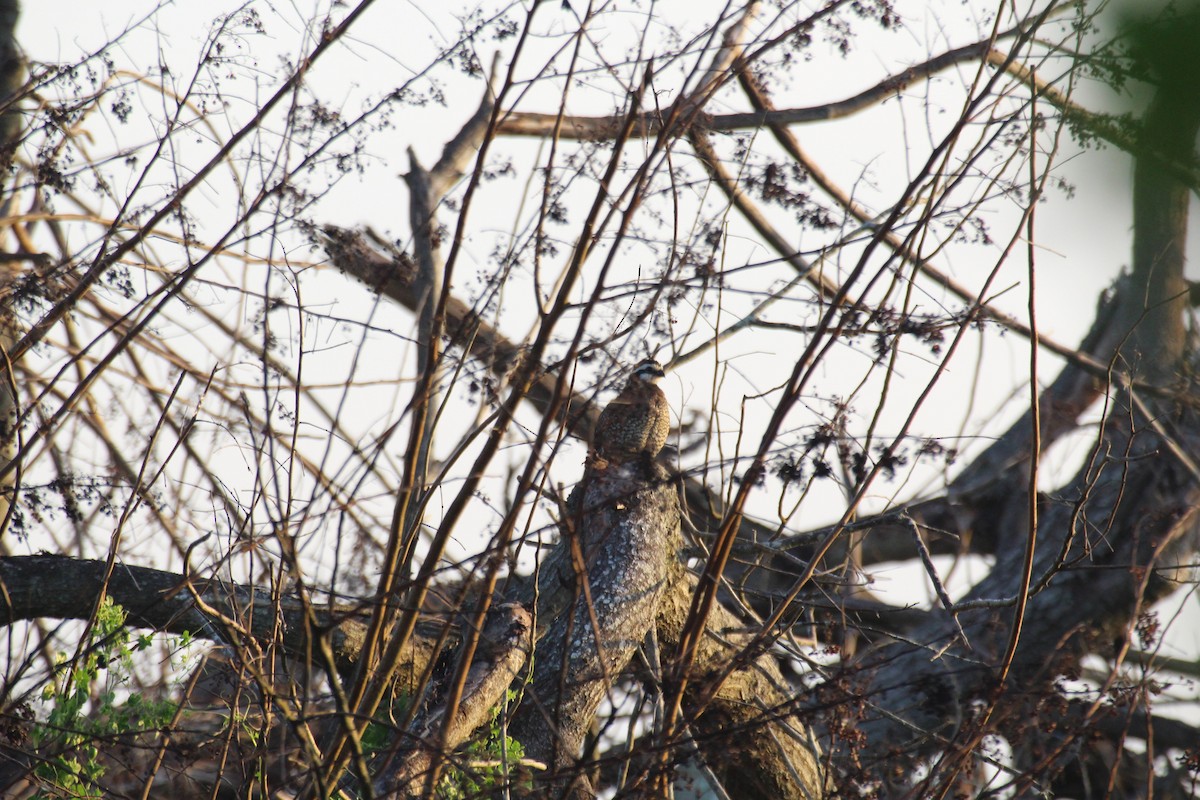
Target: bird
634,426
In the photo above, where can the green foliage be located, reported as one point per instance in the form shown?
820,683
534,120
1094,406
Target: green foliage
477,770
487,763
84,709
377,735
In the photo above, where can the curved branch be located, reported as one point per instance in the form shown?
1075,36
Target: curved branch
517,123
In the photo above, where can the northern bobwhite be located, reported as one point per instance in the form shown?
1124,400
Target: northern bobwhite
636,423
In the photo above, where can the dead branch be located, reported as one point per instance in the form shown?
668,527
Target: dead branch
516,123
61,587
505,646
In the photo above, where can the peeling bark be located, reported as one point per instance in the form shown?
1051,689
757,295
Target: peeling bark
602,594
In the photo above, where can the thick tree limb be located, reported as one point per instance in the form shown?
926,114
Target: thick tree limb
775,755
60,587
601,596
506,644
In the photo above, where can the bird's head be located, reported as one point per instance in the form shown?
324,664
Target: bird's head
649,371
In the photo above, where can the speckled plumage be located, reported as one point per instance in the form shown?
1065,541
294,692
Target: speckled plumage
636,423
